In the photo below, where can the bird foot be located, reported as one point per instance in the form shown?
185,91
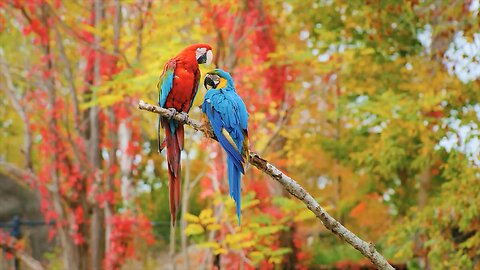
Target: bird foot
185,116
172,113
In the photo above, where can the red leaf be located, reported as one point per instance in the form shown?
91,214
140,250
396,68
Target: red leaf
358,209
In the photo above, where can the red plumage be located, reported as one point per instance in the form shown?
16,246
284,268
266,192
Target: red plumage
184,88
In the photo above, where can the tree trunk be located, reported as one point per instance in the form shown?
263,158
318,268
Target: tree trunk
71,252
98,215
217,212
172,247
183,221
112,135
127,186
425,179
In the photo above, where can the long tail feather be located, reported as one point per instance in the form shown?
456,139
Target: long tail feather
159,135
180,135
171,189
174,167
234,177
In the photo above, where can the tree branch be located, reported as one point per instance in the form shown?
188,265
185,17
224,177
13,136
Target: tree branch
69,77
20,175
367,249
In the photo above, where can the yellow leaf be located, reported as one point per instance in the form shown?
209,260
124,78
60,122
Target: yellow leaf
235,238
304,215
250,204
269,230
220,251
275,260
247,244
208,220
213,245
217,199
191,218
213,227
259,116
206,213
194,229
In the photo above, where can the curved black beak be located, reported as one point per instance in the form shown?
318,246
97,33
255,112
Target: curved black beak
205,58
211,81
202,59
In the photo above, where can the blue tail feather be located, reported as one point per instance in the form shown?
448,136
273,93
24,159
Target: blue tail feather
235,185
173,126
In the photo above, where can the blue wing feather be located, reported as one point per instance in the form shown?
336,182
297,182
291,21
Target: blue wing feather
164,86
217,125
166,82
242,113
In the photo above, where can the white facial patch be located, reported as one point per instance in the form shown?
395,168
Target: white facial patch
209,57
200,52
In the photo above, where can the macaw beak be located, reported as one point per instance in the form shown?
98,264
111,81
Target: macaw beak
205,58
209,56
211,81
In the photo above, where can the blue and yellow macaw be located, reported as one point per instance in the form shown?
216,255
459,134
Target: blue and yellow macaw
229,119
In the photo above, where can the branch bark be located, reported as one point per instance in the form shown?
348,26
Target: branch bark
20,174
366,248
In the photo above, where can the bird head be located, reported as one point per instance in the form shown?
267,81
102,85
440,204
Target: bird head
217,79
203,53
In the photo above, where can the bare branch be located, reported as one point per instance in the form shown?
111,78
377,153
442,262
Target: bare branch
195,181
69,77
141,25
18,173
282,121
367,249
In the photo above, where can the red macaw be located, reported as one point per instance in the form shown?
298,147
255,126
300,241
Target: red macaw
178,86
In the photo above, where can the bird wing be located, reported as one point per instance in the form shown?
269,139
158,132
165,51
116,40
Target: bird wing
243,121
165,83
164,86
224,116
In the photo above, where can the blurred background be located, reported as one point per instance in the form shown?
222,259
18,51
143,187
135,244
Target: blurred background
372,106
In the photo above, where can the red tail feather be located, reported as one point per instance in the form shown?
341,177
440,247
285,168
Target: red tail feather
174,146
180,135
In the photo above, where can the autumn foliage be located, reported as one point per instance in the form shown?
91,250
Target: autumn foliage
372,106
